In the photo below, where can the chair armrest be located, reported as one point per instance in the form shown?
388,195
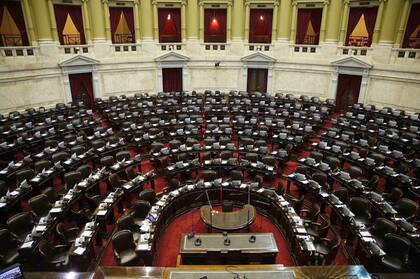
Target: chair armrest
123,181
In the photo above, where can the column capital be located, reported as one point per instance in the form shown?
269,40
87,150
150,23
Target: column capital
136,2
346,2
154,3
105,2
382,1
327,2
85,1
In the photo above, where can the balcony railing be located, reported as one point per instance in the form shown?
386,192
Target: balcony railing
21,51
126,48
354,51
305,49
259,47
171,46
72,39
216,46
123,38
75,49
405,55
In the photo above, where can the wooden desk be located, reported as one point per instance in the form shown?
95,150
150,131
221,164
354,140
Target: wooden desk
234,220
214,249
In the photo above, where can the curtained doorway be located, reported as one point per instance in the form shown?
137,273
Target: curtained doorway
82,89
257,80
348,90
172,79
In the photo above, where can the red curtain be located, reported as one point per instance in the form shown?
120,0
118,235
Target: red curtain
169,25
82,89
260,25
115,15
348,90
412,24
370,19
257,80
15,10
304,16
215,25
61,12
172,79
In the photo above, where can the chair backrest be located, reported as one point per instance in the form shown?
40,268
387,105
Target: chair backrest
140,209
50,193
72,178
317,156
3,188
355,172
209,175
359,206
236,175
7,241
252,157
342,194
20,223
40,205
298,204
85,171
123,240
395,195
173,184
123,155
383,226
42,164
396,246
60,156
148,195
126,222
131,174
333,162
107,161
114,181
406,207
25,174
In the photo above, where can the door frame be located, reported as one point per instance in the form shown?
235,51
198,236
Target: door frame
350,66
172,60
80,65
257,61
247,77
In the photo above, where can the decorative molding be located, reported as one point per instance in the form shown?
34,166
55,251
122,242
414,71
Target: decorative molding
172,57
258,57
78,60
351,62
214,2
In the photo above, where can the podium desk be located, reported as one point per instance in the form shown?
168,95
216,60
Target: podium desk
228,221
241,248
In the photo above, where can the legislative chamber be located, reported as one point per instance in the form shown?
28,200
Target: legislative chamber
204,139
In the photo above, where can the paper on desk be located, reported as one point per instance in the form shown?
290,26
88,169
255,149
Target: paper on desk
27,245
79,251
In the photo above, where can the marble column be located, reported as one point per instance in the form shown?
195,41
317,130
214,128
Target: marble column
402,23
283,23
378,23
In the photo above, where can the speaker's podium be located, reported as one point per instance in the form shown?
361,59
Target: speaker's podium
228,219
232,248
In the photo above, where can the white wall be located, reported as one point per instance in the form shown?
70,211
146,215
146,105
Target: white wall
40,80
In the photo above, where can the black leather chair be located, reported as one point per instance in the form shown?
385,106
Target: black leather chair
407,208
67,235
54,256
394,196
3,188
298,203
40,205
397,250
355,172
124,248
8,249
60,157
148,195
25,174
41,165
115,181
310,215
123,155
209,175
130,173
360,207
20,225
139,210
319,229
327,249
318,156
71,179
85,171
322,180
342,194
382,227
107,161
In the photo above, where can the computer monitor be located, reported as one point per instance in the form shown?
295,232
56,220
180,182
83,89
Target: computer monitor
12,272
